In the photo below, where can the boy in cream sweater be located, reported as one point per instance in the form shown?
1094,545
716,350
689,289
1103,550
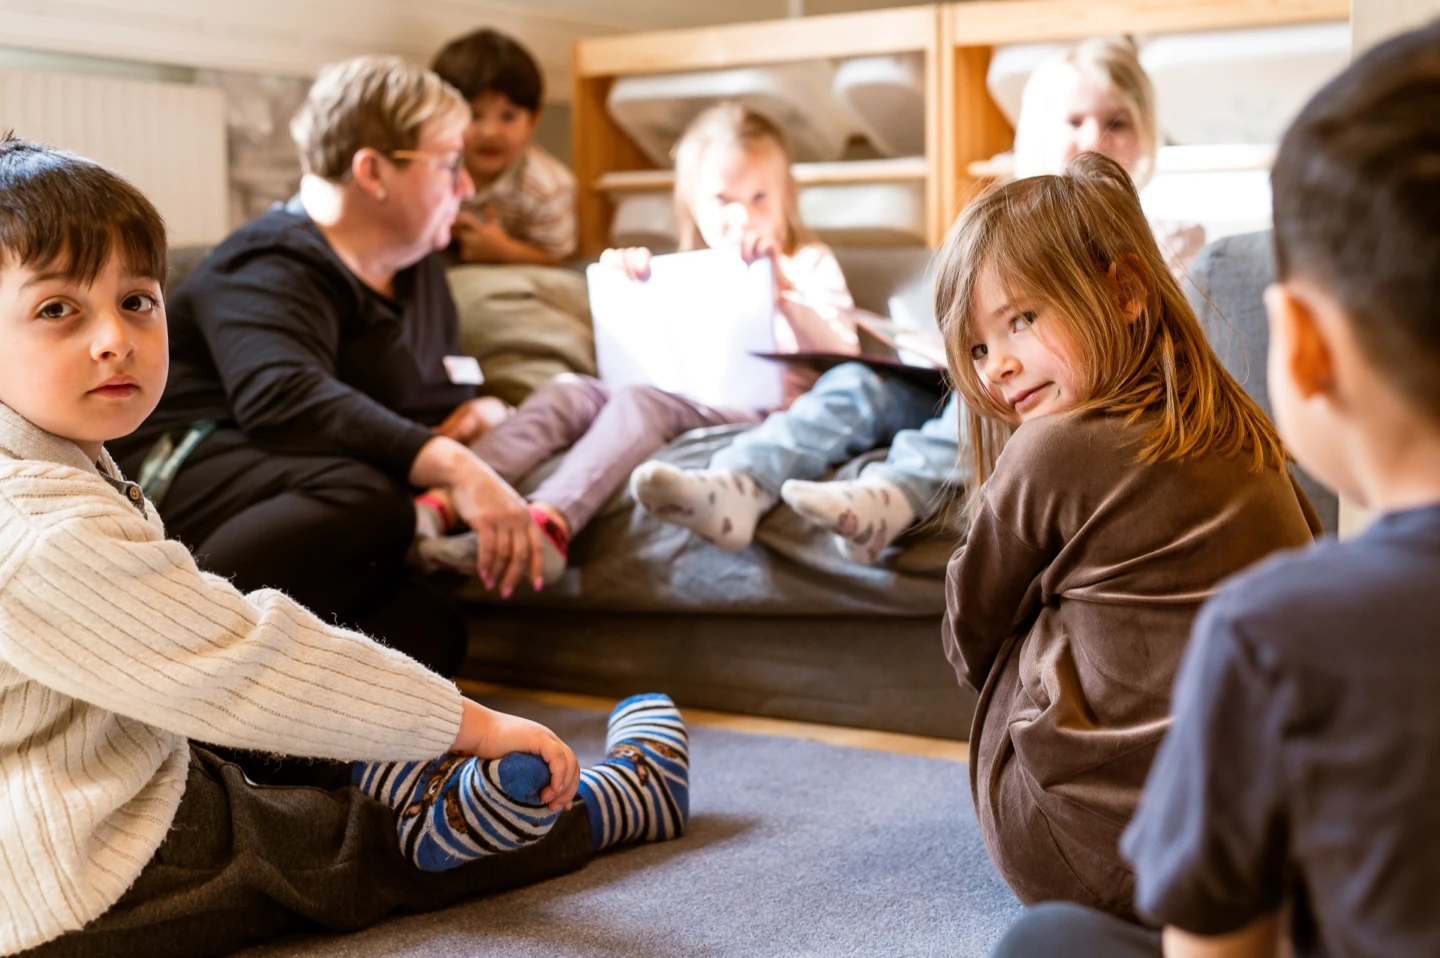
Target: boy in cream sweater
119,835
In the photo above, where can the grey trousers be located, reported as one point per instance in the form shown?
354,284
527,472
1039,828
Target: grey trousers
245,862
608,432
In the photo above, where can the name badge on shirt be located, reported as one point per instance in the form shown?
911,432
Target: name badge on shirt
464,370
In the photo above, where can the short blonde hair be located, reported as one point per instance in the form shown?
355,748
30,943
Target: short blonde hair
375,101
734,125
1054,241
1113,64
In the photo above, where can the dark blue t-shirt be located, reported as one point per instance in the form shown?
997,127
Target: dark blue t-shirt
1304,758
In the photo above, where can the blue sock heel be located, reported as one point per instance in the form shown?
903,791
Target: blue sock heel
456,808
642,789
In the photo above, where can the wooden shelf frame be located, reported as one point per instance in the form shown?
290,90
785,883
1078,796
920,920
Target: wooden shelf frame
974,129
601,148
963,125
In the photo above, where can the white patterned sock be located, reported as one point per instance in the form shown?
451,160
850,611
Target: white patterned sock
720,505
864,514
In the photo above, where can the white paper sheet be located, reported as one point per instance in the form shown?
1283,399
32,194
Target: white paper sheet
691,328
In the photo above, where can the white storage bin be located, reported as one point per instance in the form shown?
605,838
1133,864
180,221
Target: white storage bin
885,97
1241,86
866,214
654,110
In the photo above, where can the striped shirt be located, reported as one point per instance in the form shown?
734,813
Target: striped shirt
534,199
115,649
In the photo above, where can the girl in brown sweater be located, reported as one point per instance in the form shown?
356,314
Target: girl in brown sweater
1122,473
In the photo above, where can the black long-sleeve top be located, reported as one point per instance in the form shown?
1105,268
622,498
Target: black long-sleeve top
273,334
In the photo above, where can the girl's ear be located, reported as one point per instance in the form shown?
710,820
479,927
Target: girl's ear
1128,290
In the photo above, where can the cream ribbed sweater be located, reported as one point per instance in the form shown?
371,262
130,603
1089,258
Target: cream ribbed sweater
115,649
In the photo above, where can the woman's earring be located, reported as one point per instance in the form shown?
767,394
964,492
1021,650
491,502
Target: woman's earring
380,194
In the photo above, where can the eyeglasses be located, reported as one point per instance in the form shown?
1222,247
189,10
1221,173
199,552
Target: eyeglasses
452,163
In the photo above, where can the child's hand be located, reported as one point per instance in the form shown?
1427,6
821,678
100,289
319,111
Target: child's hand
633,261
481,239
486,733
474,418
755,245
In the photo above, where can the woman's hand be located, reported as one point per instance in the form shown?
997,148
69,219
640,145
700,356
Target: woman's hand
486,733
474,418
508,540
633,261
509,547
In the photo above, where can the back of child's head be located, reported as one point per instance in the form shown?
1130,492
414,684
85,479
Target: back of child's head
733,126
1356,187
490,62
61,213
1112,64
1078,245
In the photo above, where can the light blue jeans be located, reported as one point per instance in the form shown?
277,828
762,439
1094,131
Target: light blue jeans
850,410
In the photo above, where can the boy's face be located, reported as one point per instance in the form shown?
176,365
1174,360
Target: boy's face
498,133
86,363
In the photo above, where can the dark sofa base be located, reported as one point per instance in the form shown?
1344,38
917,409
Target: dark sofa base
878,672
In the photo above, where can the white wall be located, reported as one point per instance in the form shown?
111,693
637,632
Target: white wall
1374,20
295,37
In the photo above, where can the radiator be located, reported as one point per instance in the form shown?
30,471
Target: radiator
166,138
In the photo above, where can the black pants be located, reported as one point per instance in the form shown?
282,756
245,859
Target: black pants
243,863
329,532
1061,928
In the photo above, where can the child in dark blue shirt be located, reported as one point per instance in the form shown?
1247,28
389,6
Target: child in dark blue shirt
1301,772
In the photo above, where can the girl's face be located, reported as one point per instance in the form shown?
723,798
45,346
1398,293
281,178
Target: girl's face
1029,374
739,190
1094,120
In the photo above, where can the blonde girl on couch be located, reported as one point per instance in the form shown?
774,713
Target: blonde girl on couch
733,191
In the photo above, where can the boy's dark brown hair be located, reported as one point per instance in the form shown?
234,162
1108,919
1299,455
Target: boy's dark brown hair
489,62
61,213
1357,206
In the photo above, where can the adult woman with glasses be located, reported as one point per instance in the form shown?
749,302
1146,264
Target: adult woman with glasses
309,363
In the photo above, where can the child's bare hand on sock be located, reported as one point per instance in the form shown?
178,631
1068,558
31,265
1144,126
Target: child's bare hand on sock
486,733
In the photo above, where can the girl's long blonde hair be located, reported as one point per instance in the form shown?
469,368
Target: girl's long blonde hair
1053,241
734,125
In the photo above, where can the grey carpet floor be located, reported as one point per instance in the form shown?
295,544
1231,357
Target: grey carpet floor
795,848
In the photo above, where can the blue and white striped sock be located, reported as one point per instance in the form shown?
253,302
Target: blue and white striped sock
457,808
642,789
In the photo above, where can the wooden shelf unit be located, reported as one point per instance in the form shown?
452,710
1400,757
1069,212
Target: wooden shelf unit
974,129
601,149
963,126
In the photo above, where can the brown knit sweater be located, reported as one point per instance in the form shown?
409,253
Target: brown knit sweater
1069,608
